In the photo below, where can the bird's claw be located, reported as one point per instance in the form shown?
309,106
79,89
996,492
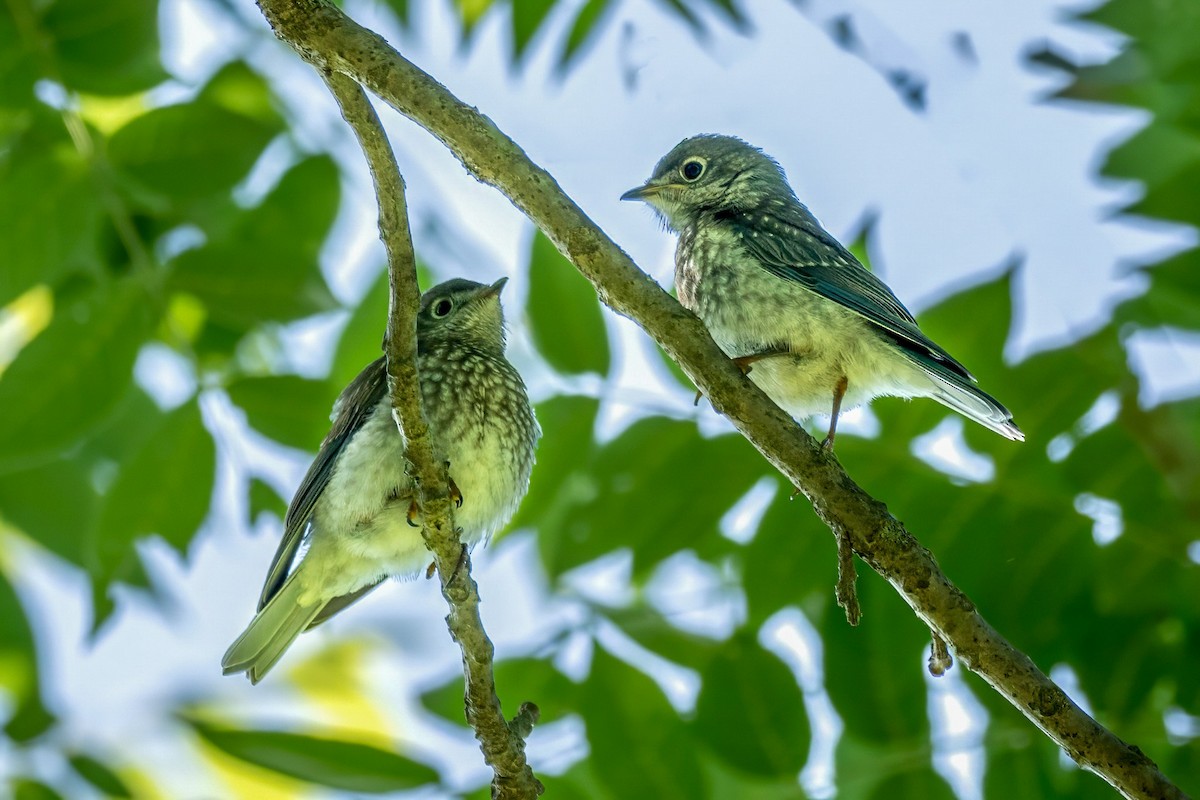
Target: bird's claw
413,514
455,494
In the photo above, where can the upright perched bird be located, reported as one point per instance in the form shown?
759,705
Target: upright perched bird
790,305
355,506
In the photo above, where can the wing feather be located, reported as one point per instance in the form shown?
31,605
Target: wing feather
355,404
790,243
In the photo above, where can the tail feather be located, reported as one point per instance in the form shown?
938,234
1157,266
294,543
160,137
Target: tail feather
973,403
270,633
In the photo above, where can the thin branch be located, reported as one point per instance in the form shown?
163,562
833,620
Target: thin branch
503,744
325,36
844,590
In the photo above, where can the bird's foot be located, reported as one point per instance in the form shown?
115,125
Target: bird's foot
430,570
746,364
462,560
455,495
414,514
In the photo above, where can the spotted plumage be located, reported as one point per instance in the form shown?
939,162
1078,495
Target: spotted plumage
816,330
352,507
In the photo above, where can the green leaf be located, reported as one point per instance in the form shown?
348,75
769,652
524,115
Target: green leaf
49,219
265,500
564,314
518,680
68,380
639,745
362,338
323,761
559,477
33,790
176,152
527,18
646,626
266,269
105,48
238,88
580,782
791,558
1022,763
32,500
874,672
287,408
623,502
584,31
99,775
18,64
19,670
165,488
750,711
899,770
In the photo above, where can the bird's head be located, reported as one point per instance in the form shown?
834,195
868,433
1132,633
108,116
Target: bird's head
463,311
710,173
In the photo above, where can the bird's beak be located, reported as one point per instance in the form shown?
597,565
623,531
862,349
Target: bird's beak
495,289
643,192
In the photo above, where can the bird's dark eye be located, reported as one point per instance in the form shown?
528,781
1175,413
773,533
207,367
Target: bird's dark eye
442,308
692,169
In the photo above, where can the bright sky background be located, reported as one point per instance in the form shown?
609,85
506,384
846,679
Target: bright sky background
987,172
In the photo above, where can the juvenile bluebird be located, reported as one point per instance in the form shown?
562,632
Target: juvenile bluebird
811,326
355,507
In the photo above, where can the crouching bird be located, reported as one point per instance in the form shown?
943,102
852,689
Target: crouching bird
809,324
355,507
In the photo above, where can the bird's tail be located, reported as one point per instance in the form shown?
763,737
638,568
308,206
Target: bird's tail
972,402
271,632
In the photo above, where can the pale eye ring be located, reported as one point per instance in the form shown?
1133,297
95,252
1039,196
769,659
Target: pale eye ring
692,169
443,307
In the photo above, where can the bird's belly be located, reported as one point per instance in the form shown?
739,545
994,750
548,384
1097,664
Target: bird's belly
363,532
824,343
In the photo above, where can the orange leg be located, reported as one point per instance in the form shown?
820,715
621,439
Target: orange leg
839,391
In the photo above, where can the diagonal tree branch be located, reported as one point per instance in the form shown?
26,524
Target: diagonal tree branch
502,743
326,37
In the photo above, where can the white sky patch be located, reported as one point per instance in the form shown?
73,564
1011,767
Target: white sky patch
167,377
1193,551
1168,362
693,596
1108,523
604,581
1103,412
1181,726
789,635
958,723
740,523
944,448
680,684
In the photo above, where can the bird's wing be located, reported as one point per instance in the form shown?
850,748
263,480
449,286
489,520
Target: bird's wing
794,246
355,404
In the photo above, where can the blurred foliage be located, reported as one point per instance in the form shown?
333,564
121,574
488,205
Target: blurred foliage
141,229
